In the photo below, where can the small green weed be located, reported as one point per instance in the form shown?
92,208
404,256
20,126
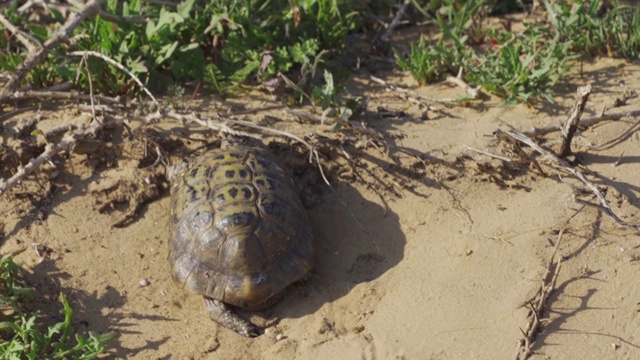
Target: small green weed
613,33
425,63
431,61
327,97
520,68
20,337
525,66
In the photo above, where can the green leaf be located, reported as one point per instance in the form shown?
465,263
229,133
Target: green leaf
166,52
37,132
137,66
169,19
150,30
185,8
189,47
243,73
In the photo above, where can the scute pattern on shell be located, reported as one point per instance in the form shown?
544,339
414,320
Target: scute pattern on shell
239,231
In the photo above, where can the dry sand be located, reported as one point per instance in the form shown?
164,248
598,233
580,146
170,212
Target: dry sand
442,271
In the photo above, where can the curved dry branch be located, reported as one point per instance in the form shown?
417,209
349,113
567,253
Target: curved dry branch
119,66
64,95
516,135
27,40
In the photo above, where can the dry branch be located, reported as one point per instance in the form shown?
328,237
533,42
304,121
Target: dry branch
609,143
220,124
27,40
257,110
537,305
584,123
571,125
50,150
121,19
360,128
396,21
63,95
415,94
63,33
28,6
119,66
472,92
516,135
503,158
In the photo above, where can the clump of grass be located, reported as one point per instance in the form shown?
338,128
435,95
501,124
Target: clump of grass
521,67
327,96
20,337
593,31
431,61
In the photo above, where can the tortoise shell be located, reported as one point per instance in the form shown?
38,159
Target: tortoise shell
240,233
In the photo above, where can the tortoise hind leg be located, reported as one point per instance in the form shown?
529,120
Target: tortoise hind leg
221,314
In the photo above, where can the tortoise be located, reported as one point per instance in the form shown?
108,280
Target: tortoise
239,232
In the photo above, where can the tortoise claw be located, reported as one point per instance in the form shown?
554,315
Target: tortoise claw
224,316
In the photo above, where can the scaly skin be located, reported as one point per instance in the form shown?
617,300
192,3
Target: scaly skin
221,314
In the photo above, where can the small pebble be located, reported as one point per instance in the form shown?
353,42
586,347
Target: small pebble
279,337
144,282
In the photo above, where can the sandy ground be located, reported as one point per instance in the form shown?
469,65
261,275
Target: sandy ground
444,270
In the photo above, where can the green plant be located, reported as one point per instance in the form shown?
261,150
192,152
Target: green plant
614,33
521,67
20,337
431,61
327,97
229,41
525,66
425,63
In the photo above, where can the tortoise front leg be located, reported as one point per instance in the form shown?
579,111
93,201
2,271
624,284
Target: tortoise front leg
221,314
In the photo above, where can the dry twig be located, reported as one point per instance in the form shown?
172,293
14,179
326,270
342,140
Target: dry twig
516,135
91,97
119,66
220,124
584,123
25,39
571,125
360,128
505,159
537,305
396,21
50,150
63,95
473,92
28,5
413,93
609,143
257,110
